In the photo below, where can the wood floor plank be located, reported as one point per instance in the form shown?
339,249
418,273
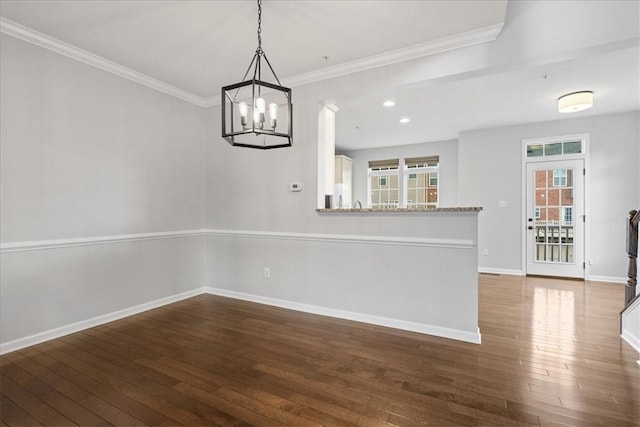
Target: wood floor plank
249,386
12,415
37,409
551,355
67,407
143,413
230,407
85,398
176,406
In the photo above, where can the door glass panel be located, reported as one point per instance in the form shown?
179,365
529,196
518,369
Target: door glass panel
567,197
553,149
535,150
572,147
554,225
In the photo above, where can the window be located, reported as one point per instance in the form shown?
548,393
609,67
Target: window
556,148
383,184
415,186
567,215
421,181
560,178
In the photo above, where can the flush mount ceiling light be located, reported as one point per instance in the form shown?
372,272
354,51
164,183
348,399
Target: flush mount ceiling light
576,101
405,120
389,103
255,113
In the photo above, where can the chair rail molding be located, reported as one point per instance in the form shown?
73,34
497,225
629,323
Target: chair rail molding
95,240
317,237
349,238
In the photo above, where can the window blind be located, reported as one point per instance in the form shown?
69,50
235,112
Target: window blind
412,162
389,163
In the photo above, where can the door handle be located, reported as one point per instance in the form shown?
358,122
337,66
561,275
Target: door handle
530,227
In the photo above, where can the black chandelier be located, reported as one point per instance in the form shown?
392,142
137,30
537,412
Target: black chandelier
255,113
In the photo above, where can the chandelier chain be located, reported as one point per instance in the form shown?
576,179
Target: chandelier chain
259,50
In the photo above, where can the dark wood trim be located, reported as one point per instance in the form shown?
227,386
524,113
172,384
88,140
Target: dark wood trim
633,300
632,251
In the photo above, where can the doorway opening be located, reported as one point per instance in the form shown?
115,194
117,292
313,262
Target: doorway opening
555,221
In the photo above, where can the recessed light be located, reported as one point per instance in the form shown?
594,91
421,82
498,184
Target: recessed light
389,103
405,120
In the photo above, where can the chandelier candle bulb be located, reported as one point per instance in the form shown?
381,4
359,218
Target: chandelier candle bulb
244,109
260,106
273,114
256,118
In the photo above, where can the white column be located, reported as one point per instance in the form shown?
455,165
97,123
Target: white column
326,152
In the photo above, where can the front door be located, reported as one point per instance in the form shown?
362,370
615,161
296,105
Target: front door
555,218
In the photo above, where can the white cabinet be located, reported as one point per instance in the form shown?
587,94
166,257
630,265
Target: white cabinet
343,182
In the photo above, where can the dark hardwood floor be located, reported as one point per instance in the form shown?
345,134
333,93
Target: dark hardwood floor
550,355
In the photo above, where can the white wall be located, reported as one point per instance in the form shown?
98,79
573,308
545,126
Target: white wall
85,154
490,169
248,190
399,283
448,179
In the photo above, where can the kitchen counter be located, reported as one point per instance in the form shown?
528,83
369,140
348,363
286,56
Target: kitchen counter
399,210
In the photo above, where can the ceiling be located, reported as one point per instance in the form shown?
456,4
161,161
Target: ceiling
523,95
192,48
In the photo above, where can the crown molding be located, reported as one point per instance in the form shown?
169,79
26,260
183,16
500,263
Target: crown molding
39,39
445,44
469,38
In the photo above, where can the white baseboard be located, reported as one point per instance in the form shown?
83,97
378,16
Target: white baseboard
609,279
590,278
630,325
632,340
422,328
41,337
504,271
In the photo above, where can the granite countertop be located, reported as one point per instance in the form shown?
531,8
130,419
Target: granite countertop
448,209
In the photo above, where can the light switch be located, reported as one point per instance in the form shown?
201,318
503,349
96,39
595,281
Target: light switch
502,203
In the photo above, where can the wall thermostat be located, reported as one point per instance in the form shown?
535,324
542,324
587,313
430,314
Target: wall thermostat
295,187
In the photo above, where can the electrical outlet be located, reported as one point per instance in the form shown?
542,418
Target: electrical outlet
485,252
267,273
